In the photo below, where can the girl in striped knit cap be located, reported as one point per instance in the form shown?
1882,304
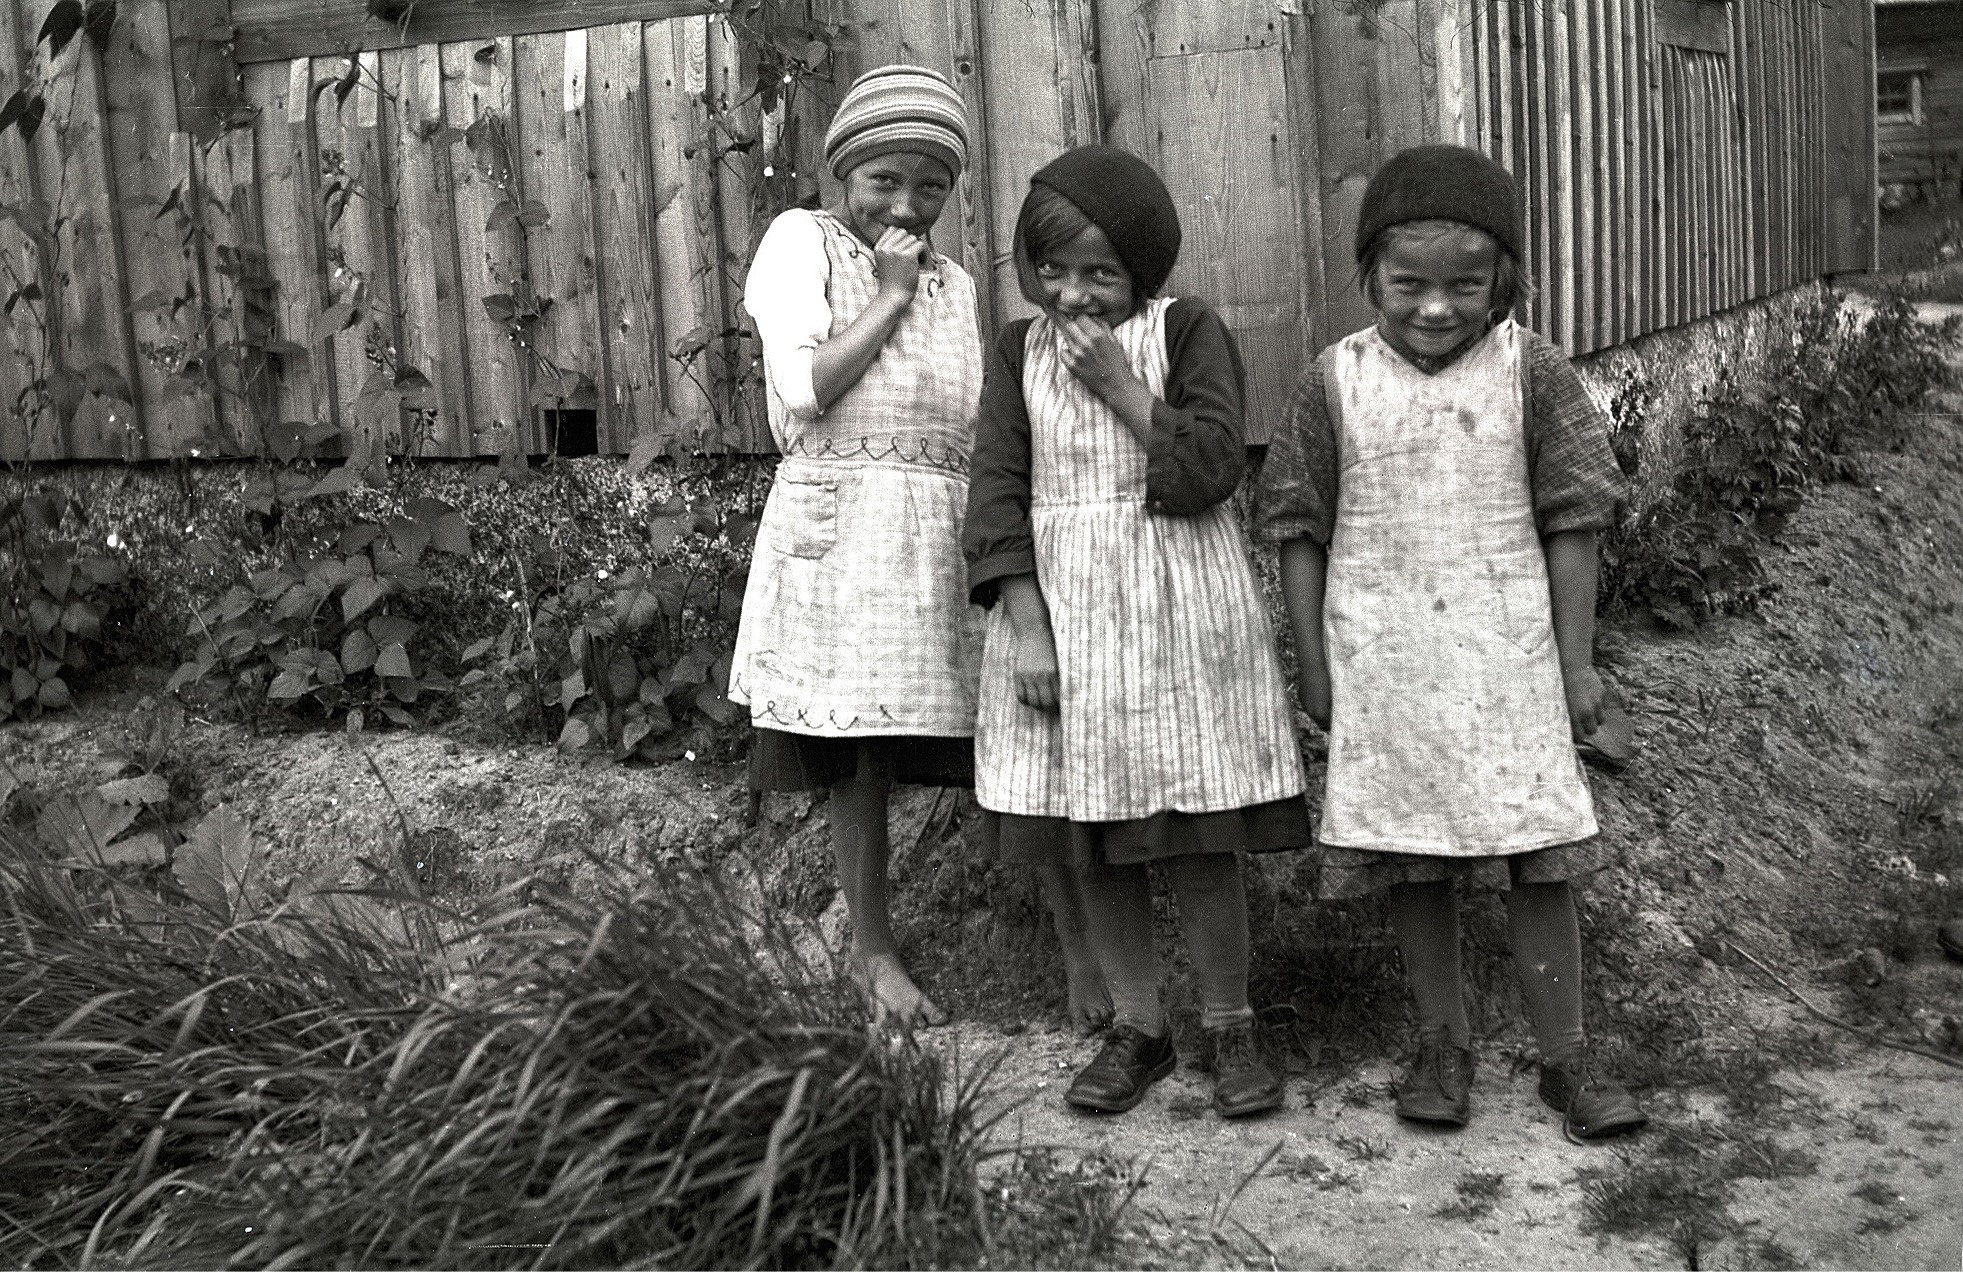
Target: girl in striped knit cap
858,651
1132,707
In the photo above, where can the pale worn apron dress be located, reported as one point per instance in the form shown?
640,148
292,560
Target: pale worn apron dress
856,620
1450,737
1172,694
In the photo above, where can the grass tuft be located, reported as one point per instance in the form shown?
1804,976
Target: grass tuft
648,1078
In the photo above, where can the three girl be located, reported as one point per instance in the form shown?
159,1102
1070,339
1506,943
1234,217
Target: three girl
1132,705
857,651
1435,488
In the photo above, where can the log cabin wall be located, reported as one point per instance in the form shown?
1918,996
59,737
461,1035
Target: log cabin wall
1678,157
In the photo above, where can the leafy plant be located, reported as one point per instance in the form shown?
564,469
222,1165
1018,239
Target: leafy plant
54,595
321,634
626,658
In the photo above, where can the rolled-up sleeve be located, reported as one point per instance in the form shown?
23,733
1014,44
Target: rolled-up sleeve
1296,495
785,295
1577,484
1198,448
996,538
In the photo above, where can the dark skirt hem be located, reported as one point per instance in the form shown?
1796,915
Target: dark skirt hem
1278,826
781,761
1347,873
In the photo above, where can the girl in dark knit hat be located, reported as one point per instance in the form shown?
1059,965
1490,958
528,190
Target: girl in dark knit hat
1435,489
1132,706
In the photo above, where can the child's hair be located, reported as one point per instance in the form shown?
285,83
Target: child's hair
1511,286
1047,222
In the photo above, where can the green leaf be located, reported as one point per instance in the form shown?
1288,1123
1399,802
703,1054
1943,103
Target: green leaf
636,610
62,24
574,735
219,864
337,482
299,601
393,660
53,694
290,685
571,690
82,825
358,651
410,537
147,789
478,648
390,629
361,594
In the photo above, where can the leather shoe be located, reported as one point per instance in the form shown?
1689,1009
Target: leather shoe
1593,1106
1243,1081
1950,936
1438,1086
1131,1061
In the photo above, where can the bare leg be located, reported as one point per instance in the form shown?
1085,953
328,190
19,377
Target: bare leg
1090,1001
858,813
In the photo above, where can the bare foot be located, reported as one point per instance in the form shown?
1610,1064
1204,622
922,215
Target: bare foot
894,995
1090,1001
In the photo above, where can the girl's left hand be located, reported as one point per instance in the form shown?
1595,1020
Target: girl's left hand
1585,694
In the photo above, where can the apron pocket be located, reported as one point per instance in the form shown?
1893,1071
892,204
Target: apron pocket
810,527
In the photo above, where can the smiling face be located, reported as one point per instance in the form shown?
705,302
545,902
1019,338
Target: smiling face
1433,286
1084,276
902,189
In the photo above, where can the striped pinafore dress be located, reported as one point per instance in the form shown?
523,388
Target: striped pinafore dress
1172,695
856,620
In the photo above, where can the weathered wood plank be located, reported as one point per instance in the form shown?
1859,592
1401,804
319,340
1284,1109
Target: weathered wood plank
21,264
269,89
354,190
1351,143
1299,58
739,206
477,86
977,187
674,53
550,86
1177,29
271,30
631,321
433,317
1026,120
1221,120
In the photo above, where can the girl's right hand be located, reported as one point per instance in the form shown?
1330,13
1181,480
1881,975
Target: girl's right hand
1315,692
1037,681
896,261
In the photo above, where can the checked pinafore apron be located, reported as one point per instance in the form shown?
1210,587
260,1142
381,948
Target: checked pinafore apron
1450,732
856,619
1172,695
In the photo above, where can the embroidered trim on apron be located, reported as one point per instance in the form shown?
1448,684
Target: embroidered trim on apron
1450,733
1172,692
856,618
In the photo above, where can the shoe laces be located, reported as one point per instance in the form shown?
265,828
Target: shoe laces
1234,1049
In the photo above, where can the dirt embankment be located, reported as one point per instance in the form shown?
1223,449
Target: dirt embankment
1794,799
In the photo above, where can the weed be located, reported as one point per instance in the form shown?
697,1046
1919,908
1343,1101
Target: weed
1882,1224
1876,1193
1360,1149
1314,1171
1773,1256
55,593
1042,1214
1762,1157
1931,1124
1479,1192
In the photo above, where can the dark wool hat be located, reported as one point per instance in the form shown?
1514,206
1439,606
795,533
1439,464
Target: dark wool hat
1122,196
1447,183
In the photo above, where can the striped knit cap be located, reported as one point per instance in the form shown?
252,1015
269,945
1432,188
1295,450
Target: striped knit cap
898,108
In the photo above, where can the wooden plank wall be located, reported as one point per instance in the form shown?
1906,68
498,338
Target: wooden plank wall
1678,157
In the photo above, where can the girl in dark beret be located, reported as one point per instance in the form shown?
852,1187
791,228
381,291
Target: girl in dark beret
1435,488
1132,705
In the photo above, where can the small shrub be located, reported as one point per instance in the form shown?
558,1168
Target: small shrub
55,594
634,659
320,634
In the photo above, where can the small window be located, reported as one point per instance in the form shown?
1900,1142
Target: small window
1898,97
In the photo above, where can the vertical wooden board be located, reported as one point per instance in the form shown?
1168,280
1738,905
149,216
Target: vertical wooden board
626,194
433,320
1483,88
1175,29
352,182
1561,146
1583,145
477,86
1351,143
1615,255
1079,89
1403,114
675,77
1125,33
1221,120
21,330
142,115
278,172
86,319
1541,202
741,226
1744,46
1025,121
1601,87
1451,24
1299,75
224,176
551,88
976,185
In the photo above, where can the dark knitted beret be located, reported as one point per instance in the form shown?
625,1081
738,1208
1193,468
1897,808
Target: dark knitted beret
1122,196
1441,183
